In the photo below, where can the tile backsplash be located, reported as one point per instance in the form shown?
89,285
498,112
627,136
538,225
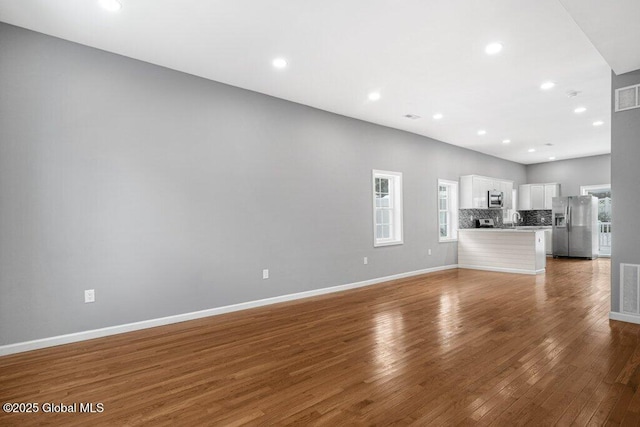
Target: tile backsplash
541,217
467,217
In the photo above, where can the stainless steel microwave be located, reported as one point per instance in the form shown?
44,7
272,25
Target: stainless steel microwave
496,199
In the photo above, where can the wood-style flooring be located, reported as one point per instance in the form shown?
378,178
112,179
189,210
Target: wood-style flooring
457,347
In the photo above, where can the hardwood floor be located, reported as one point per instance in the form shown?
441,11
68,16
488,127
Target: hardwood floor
454,347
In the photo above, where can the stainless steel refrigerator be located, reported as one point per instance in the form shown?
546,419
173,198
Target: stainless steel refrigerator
575,227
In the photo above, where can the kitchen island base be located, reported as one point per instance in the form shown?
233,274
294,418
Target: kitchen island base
504,250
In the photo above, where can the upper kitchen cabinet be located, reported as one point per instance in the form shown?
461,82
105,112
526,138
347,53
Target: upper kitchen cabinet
474,191
507,191
537,196
524,197
550,191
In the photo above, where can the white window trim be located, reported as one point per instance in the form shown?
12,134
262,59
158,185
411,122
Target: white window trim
584,189
396,192
507,214
453,199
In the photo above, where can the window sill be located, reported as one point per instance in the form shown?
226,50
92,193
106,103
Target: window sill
390,243
447,240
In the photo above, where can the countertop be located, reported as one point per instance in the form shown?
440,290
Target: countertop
505,230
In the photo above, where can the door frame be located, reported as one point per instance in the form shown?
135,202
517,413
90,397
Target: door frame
584,191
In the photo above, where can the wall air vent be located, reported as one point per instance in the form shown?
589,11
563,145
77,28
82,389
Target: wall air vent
630,288
627,98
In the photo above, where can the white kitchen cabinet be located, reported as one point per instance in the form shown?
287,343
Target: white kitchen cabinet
466,192
524,197
550,191
507,190
548,241
506,250
481,187
474,191
537,196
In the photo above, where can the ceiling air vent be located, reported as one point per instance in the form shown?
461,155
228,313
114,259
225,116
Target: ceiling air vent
412,116
628,98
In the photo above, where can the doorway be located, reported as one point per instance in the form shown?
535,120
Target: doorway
603,193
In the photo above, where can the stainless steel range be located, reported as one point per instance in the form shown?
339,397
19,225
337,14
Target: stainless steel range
485,223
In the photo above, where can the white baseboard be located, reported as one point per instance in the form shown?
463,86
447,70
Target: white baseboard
152,323
629,318
502,269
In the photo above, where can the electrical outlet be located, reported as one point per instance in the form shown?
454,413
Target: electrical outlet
366,261
429,251
265,273
89,295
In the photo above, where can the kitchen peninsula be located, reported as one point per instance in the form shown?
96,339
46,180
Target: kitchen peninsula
502,249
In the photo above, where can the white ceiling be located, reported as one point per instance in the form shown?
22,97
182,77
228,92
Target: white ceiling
423,56
614,31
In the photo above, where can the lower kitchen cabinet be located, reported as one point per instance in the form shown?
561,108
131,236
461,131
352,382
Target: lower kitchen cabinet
548,241
506,250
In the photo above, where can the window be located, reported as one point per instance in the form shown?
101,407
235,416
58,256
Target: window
507,214
447,210
387,208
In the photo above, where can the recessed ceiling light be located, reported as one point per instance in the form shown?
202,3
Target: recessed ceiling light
111,5
598,123
482,132
552,158
547,85
280,63
374,96
580,110
506,141
437,116
531,150
493,48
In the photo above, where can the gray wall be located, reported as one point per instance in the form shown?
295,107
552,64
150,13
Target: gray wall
573,173
167,193
625,190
